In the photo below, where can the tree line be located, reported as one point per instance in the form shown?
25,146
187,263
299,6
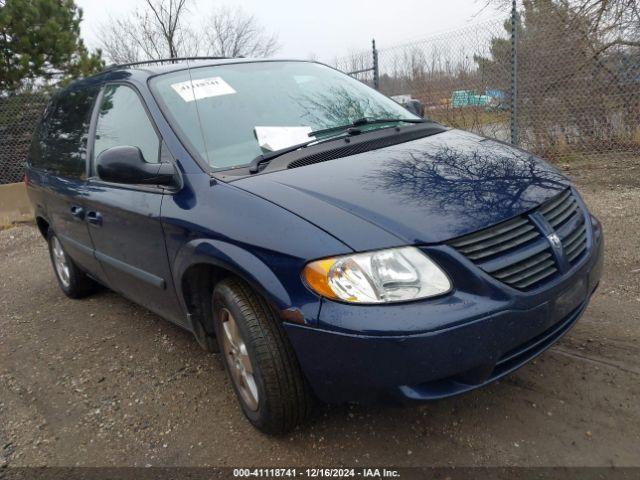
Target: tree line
40,43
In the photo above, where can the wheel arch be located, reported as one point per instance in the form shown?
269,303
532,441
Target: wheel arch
201,264
43,226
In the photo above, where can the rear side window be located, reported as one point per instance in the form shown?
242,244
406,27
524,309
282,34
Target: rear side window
123,121
37,157
66,129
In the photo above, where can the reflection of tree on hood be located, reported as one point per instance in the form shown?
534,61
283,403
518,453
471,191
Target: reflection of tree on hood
488,178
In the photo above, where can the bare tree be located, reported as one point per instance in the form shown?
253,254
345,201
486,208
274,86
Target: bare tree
118,42
615,22
231,32
153,32
160,30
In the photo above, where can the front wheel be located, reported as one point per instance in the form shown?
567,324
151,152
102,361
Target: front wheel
260,361
73,281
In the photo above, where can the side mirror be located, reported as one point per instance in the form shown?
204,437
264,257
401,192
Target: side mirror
126,165
416,107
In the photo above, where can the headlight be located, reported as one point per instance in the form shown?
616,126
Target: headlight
394,275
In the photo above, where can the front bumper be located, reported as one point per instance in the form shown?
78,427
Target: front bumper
475,339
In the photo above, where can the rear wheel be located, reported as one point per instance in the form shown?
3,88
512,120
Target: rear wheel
73,281
259,359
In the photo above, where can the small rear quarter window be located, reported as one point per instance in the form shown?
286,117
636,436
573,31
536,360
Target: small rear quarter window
60,145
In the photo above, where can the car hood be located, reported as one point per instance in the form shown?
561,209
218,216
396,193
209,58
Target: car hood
420,192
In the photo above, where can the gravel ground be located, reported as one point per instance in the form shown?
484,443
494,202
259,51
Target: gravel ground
103,382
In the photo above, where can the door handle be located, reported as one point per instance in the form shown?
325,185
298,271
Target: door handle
77,212
94,218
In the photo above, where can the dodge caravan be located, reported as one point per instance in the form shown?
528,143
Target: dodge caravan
328,242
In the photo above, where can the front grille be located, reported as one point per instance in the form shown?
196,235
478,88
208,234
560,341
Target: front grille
528,272
498,239
516,253
565,216
576,244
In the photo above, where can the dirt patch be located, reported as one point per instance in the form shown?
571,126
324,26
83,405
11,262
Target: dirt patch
104,382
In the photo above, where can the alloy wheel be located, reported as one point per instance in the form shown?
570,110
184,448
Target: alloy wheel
237,356
60,262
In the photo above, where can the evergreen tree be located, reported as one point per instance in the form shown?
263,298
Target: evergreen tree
40,42
566,91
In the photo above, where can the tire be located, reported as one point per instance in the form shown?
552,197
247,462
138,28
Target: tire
283,398
73,282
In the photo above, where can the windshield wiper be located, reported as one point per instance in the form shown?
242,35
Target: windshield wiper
254,166
365,121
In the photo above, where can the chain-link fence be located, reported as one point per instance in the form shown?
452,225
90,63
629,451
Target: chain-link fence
573,99
19,113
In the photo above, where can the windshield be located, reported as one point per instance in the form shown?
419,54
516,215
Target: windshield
229,114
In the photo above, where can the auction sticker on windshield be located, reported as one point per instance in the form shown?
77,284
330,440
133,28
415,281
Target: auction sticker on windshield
202,88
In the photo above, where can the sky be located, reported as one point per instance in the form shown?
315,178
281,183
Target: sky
323,28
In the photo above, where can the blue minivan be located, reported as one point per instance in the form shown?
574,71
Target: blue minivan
328,242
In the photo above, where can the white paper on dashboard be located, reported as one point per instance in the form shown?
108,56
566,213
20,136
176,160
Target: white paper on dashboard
202,88
275,138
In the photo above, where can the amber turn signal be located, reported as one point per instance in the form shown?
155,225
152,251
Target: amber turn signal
316,274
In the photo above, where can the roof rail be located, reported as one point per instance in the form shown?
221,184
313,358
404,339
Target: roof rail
161,60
